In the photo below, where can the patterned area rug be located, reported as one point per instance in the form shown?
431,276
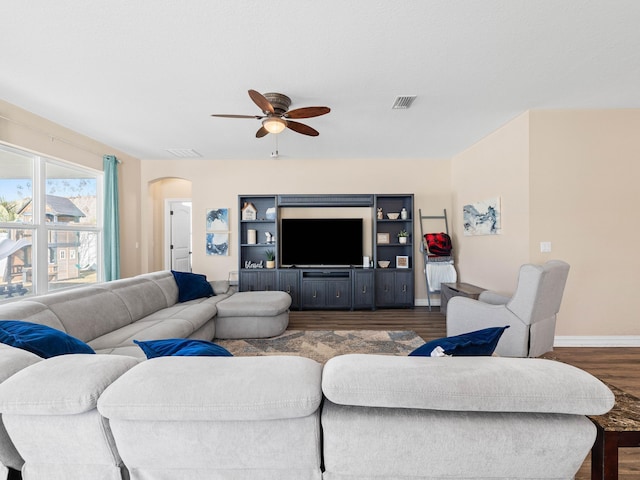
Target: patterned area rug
321,345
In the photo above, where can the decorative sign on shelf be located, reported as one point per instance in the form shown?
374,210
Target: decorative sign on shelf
382,238
249,211
249,264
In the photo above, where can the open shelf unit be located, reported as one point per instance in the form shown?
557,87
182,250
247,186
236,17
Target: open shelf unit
394,284
253,255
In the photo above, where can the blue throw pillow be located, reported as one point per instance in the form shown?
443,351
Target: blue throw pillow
182,347
42,340
192,286
479,343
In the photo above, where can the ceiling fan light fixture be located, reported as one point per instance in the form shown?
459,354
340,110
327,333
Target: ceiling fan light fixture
274,124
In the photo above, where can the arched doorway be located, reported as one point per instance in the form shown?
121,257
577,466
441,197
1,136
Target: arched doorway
165,194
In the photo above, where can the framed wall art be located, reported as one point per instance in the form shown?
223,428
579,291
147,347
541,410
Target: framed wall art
482,218
217,220
218,243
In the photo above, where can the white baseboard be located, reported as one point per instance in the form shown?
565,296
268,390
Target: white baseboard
569,340
423,302
597,341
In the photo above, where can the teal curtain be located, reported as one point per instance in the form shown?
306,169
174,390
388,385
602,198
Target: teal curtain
111,219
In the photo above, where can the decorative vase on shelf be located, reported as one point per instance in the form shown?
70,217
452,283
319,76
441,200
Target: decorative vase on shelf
271,258
402,239
403,214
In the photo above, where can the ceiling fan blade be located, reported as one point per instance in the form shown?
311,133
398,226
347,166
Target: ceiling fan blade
261,132
302,128
261,101
307,112
224,115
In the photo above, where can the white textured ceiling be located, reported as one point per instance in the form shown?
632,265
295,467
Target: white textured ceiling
144,76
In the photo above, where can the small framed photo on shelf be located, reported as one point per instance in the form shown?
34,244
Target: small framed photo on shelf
382,238
402,261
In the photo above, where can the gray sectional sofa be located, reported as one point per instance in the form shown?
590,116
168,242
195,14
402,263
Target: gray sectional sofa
109,316
358,417
116,416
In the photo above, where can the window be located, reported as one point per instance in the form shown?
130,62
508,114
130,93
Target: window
50,226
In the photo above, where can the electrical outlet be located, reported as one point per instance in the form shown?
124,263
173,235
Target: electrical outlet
545,247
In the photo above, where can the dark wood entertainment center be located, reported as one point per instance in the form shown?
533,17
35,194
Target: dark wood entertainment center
314,288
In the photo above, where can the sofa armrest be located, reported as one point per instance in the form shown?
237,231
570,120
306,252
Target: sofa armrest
221,286
13,360
467,315
493,298
62,385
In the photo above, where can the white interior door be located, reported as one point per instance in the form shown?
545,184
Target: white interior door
180,236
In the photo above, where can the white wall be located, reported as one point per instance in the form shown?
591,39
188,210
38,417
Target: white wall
570,178
217,184
28,131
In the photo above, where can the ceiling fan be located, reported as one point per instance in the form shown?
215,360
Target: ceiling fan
277,115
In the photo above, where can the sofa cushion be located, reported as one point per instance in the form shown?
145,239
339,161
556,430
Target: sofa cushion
192,286
87,312
478,343
181,347
30,310
197,312
164,279
482,384
39,339
67,384
180,320
140,295
141,330
255,304
216,389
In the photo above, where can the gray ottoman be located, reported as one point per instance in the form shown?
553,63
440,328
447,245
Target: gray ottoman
253,315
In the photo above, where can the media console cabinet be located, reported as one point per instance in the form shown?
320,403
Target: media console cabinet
314,288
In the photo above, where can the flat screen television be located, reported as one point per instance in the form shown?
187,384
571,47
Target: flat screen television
315,242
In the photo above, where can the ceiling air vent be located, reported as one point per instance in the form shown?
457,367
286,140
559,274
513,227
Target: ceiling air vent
403,101
183,152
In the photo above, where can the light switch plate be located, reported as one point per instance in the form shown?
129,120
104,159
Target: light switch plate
545,247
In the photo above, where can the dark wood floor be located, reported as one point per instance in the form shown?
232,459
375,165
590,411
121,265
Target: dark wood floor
618,366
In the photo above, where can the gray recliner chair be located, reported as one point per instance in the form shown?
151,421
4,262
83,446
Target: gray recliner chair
530,312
